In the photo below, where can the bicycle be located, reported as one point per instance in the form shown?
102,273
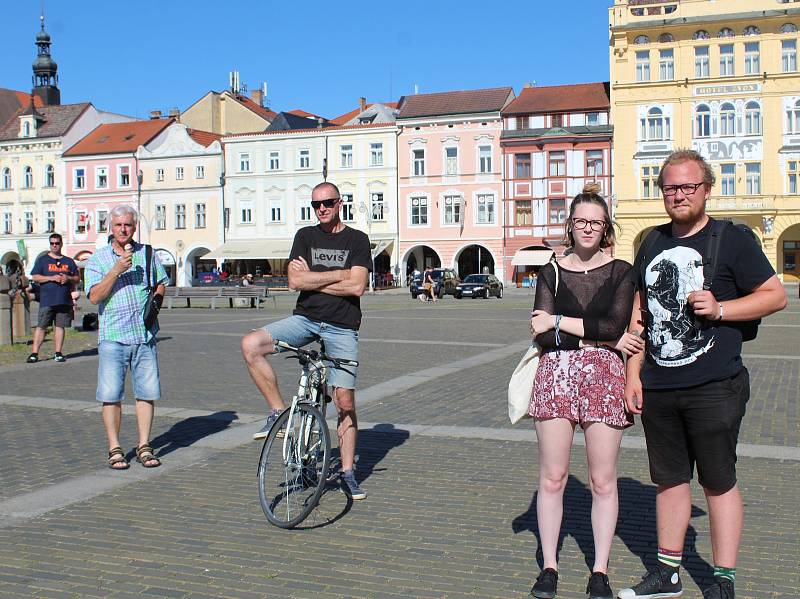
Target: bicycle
294,463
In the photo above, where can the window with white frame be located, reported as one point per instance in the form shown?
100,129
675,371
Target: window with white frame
752,172
791,172
305,214
523,213
50,221
666,65
558,211
123,175
793,118
751,58
27,177
200,215
346,156
419,163
200,172
522,166
7,222
484,159
101,177
179,173
81,222
485,209
49,176
275,211
159,174
244,162
348,212
451,161
27,221
649,181
789,56
701,63
727,120
376,154
594,163
274,161
728,179
304,159
655,126
558,163
246,212
419,210
160,220
643,65
79,178
752,118
702,121
726,65
452,210
6,178
102,221
180,216
377,207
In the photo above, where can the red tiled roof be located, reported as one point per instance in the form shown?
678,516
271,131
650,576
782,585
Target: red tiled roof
204,138
342,119
115,138
264,113
457,102
304,113
560,98
11,101
57,120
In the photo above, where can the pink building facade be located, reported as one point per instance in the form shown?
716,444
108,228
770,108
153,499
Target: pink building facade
450,180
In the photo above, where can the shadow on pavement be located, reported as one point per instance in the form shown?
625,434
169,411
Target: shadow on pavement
636,526
373,445
186,432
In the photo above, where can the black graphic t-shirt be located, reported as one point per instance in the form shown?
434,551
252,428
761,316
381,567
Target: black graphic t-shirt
52,293
331,251
681,351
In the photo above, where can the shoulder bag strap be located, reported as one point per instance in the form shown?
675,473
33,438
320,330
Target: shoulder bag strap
711,259
148,258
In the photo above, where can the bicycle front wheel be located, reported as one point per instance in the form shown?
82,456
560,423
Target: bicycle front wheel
293,468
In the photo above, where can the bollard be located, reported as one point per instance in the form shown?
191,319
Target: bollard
5,311
20,315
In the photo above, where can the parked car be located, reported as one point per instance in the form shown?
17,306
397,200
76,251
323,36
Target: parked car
445,283
484,286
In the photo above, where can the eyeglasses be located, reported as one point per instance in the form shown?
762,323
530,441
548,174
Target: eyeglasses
582,223
55,243
686,188
328,203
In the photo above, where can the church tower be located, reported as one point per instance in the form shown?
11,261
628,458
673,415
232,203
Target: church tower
45,79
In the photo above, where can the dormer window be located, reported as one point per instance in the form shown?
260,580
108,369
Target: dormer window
26,129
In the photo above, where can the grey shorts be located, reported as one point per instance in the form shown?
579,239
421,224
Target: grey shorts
60,315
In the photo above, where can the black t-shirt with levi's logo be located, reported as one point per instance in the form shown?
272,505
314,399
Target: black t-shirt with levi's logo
331,251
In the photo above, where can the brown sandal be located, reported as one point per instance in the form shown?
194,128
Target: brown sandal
117,456
144,454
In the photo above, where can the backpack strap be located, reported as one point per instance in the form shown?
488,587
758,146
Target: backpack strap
711,259
646,248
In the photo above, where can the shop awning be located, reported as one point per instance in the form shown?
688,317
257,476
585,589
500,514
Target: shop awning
261,249
531,257
378,245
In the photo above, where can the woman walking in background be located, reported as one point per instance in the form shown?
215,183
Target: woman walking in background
580,381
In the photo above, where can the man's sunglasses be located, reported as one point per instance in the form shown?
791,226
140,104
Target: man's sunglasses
55,243
329,203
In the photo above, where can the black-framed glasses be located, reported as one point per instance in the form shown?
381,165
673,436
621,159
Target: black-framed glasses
582,223
55,243
328,203
686,188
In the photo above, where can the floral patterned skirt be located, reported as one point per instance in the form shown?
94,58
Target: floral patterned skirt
582,385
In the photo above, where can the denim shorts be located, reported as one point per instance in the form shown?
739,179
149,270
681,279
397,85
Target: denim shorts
115,359
339,343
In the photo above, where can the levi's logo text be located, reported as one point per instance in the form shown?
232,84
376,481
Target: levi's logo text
329,258
57,267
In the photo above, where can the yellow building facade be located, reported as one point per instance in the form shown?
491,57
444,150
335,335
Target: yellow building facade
721,78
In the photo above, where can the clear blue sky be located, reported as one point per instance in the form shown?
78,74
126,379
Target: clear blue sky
133,57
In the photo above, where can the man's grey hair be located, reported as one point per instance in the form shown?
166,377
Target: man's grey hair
125,210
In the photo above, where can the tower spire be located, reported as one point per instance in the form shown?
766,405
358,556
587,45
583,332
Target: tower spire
45,69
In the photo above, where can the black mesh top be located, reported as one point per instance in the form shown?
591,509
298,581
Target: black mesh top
602,297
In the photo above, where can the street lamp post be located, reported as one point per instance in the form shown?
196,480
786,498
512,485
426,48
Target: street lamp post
376,211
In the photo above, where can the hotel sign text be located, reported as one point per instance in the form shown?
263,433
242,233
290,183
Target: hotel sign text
720,90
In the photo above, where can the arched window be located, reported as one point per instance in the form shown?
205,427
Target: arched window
27,177
6,178
701,34
751,30
655,126
752,118
792,119
727,119
788,28
665,38
49,176
641,39
702,121
726,32
26,129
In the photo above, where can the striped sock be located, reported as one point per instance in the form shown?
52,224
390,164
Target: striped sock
729,573
670,559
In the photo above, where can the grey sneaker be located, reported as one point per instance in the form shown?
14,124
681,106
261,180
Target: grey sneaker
273,416
350,486
660,583
721,589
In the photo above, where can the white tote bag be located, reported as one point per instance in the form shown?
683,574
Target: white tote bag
521,384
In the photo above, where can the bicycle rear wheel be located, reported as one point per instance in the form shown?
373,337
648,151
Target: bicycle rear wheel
292,471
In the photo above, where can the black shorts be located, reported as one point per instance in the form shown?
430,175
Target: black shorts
695,425
60,315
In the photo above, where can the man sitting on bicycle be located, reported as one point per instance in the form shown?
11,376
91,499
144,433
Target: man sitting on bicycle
329,264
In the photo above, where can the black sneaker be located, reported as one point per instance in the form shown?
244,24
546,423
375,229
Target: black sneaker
59,357
33,358
598,587
546,584
660,583
721,589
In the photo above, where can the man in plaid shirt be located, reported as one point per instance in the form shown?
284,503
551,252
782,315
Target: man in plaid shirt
116,280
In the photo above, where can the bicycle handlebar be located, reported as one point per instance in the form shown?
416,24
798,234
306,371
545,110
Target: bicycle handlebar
312,354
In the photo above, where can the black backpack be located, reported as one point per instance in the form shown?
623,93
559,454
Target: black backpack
748,328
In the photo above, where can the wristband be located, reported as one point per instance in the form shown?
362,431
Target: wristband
558,332
721,312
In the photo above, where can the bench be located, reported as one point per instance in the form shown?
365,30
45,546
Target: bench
256,294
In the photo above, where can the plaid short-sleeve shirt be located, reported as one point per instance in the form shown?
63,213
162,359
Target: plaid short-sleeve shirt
121,312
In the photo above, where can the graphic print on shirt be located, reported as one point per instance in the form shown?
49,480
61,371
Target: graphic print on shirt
670,277
329,258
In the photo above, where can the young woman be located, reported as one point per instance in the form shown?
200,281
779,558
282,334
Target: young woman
580,380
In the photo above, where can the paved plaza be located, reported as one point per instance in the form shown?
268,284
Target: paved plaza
451,506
